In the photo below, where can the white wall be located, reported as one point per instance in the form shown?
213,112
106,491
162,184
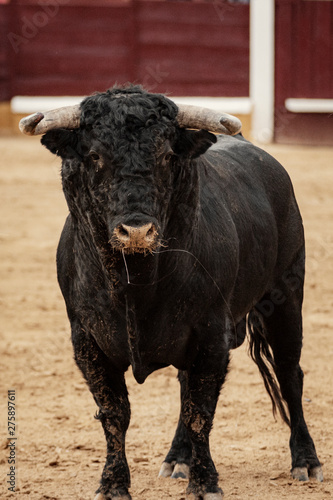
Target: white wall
262,54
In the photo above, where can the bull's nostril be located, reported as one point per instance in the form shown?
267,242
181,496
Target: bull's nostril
151,231
122,231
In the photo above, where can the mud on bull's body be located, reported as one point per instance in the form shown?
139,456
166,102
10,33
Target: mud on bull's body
174,239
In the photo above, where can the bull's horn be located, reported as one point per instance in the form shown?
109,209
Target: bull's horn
188,117
39,123
203,118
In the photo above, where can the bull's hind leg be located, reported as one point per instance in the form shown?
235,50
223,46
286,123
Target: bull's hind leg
110,394
282,319
177,461
200,391
190,454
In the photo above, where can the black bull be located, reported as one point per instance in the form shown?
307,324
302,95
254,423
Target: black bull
176,242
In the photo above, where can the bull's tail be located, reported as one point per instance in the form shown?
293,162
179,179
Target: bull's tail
262,355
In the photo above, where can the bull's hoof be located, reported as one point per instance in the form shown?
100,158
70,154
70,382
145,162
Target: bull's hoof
317,473
166,469
174,470
303,474
206,496
300,473
101,496
181,471
213,496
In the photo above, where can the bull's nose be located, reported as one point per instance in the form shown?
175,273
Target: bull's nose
136,236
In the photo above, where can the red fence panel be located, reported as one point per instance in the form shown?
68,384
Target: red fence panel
79,50
77,47
5,69
303,68
199,48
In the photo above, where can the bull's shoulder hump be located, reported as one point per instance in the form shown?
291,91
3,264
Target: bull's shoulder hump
239,147
231,151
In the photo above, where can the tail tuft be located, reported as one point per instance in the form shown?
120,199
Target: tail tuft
261,354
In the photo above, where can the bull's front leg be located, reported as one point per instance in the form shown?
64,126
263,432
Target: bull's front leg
110,394
200,388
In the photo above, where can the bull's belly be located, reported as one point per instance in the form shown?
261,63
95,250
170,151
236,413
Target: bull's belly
147,349
170,334
153,351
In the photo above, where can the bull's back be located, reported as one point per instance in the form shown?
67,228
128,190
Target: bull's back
255,193
255,188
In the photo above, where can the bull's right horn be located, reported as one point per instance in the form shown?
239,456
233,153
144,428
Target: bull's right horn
39,123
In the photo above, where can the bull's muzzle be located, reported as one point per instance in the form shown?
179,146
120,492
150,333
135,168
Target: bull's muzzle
135,238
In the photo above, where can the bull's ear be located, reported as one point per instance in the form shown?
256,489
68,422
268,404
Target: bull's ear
61,142
194,143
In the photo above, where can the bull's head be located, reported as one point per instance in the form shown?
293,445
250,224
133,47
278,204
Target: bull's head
124,152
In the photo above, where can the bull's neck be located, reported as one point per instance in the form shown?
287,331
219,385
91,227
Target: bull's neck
184,207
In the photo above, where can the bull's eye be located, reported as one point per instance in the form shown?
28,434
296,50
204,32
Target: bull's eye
94,156
169,156
96,159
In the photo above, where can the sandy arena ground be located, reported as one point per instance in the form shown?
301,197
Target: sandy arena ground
60,447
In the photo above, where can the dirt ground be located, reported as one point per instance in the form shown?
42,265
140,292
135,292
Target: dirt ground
60,447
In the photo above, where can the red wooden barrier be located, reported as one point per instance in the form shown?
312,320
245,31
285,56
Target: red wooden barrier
75,47
5,76
304,68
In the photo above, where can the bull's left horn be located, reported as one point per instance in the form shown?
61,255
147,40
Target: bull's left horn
39,123
203,118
